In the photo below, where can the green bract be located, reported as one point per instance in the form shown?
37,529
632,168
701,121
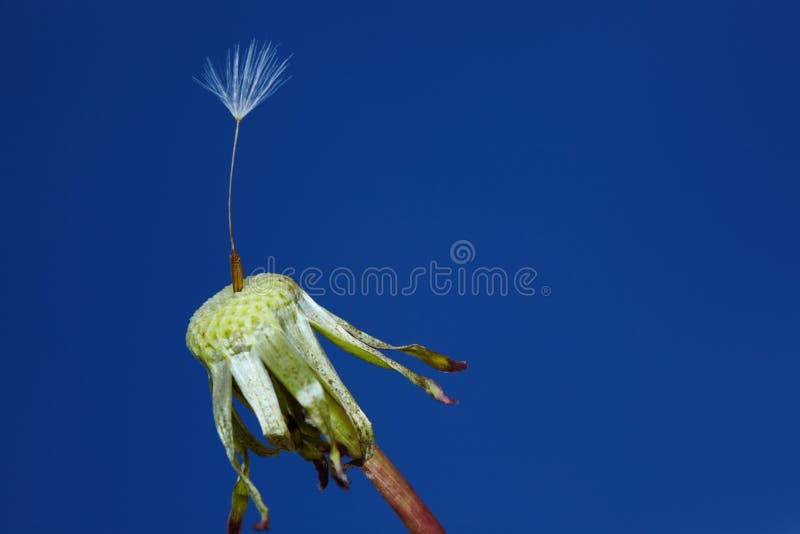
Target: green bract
259,346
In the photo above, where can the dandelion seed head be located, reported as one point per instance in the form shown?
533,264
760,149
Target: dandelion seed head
247,78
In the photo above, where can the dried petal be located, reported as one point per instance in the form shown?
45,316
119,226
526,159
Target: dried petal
222,401
287,364
256,386
326,324
304,339
424,354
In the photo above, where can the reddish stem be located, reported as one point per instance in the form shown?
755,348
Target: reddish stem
417,518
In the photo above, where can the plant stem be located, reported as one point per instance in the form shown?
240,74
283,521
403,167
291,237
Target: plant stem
417,518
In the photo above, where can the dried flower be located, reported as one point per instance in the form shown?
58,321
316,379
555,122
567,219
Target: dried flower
258,345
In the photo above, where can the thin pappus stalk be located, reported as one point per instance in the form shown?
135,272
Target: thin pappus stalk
237,273
230,183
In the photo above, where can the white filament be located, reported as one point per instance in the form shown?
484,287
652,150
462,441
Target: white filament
248,80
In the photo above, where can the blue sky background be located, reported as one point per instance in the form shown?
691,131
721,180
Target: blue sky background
642,157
